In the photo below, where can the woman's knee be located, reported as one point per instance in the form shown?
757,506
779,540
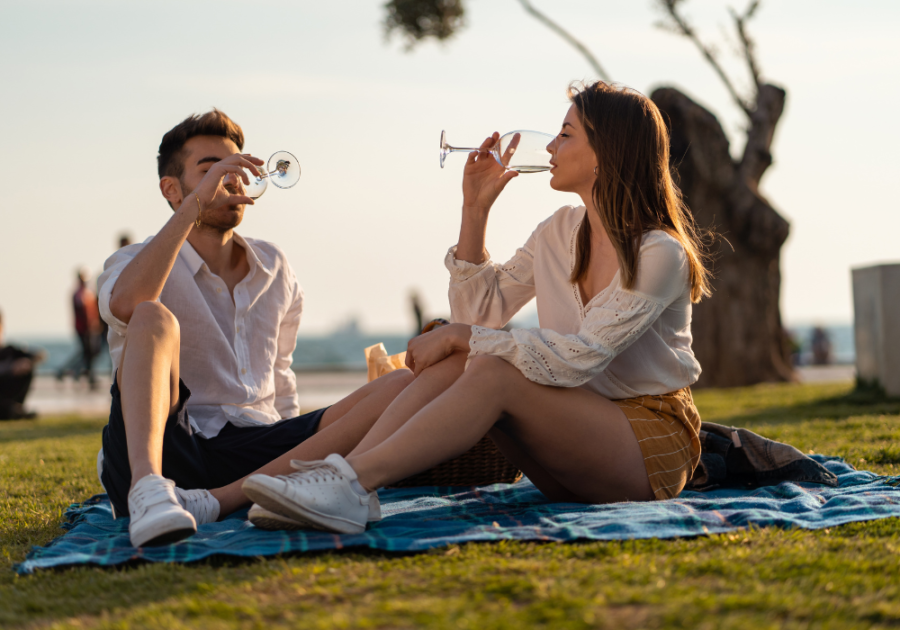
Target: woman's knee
488,368
398,379
453,364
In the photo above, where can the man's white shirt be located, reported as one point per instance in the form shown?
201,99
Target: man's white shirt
235,356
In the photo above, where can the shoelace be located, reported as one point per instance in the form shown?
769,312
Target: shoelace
200,503
303,466
312,472
150,493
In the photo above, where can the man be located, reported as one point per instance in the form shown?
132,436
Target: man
87,326
203,323
16,371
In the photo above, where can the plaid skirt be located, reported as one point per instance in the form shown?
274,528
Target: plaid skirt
667,427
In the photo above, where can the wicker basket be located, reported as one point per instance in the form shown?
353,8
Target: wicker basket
483,464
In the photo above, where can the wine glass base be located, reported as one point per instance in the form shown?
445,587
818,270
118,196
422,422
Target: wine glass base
284,169
445,148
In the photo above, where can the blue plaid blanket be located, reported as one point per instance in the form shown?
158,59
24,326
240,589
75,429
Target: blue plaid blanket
421,518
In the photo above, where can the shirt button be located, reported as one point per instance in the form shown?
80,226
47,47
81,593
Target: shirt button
238,329
243,370
218,289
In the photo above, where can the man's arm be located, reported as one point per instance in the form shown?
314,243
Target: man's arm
143,278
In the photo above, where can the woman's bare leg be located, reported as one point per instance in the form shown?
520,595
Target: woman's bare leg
581,440
430,384
504,438
343,425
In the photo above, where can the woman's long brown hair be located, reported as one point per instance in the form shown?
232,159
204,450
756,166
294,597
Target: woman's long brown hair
634,191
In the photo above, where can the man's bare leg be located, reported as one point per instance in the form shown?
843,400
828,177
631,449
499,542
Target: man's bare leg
343,425
148,384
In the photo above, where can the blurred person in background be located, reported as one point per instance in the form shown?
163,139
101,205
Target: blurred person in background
820,343
415,301
86,320
16,371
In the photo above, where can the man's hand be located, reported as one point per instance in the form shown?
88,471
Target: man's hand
435,346
221,184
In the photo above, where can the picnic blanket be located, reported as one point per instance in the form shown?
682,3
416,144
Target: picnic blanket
421,518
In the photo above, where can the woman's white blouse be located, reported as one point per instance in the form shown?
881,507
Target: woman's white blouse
621,344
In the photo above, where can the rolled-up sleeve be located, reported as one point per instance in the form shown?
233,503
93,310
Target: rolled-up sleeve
112,269
287,402
609,327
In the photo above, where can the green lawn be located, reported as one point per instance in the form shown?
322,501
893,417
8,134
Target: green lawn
845,577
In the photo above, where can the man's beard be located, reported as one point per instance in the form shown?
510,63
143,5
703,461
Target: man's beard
223,218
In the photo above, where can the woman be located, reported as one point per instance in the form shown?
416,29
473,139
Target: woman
594,405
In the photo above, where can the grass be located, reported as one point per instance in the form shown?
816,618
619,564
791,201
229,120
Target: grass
844,577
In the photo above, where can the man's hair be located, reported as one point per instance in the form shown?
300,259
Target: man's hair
170,161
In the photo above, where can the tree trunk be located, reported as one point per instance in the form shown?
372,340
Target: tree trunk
738,334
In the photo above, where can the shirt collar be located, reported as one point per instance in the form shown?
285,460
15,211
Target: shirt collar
195,263
252,257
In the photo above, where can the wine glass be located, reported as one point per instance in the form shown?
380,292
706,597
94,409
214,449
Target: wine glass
522,151
283,170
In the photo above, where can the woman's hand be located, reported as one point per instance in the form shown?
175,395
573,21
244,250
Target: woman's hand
435,346
484,179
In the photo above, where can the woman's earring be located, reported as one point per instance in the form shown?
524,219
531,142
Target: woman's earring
595,170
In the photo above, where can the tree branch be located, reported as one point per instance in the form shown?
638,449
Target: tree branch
684,28
556,28
740,22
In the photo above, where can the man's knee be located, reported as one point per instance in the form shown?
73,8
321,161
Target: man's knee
152,318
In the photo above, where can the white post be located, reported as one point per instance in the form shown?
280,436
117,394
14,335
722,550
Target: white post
876,320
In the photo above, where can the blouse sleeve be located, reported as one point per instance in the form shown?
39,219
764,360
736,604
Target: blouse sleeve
490,294
609,327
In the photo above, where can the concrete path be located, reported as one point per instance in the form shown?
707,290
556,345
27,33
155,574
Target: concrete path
50,397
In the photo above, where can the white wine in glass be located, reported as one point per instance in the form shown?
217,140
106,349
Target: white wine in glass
283,171
522,151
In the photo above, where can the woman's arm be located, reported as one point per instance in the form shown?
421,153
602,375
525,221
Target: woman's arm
483,181
550,358
490,294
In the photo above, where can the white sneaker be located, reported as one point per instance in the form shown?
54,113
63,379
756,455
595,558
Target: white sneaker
201,504
157,517
374,514
320,495
272,521
266,519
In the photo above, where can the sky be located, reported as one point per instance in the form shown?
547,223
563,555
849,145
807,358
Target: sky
90,87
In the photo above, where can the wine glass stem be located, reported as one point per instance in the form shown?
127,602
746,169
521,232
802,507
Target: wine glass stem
466,149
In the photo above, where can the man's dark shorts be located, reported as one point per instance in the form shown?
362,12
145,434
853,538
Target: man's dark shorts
195,462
